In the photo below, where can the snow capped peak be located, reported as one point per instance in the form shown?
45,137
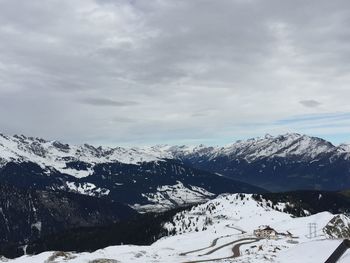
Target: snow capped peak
19,148
55,154
268,136
345,147
290,144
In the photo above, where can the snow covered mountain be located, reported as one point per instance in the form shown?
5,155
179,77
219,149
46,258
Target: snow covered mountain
276,163
55,154
230,228
144,179
19,148
147,186
284,146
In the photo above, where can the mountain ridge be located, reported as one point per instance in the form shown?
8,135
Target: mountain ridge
277,163
20,147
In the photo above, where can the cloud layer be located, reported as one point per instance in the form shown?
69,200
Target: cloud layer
163,71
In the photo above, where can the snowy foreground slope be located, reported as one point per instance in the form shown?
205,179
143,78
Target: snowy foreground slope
221,230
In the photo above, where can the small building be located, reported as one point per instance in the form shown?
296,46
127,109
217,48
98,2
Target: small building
266,232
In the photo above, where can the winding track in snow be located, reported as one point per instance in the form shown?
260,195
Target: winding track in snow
235,228
227,244
214,242
235,249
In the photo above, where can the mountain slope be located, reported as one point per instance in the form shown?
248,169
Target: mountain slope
57,187
311,201
75,160
288,145
140,229
276,163
280,163
29,214
222,229
147,186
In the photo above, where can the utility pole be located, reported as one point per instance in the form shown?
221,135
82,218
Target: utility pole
312,230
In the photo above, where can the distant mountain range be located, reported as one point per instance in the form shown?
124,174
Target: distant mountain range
275,163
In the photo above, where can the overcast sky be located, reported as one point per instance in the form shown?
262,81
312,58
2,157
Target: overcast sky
132,72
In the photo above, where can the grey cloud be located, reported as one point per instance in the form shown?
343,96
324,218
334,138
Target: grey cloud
310,103
200,68
120,119
107,102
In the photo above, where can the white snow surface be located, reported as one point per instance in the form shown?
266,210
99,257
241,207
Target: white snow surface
227,218
168,195
87,189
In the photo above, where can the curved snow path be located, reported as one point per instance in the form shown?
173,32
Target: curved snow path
213,244
235,228
235,250
227,244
